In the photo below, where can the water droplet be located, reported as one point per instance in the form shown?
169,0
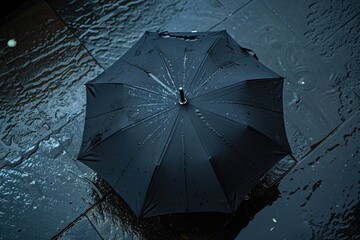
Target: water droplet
11,43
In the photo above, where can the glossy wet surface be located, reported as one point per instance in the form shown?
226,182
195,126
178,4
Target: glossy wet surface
57,46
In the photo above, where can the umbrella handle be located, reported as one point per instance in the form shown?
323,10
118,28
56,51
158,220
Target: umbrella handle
251,52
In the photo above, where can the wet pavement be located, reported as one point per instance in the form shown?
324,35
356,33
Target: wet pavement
60,45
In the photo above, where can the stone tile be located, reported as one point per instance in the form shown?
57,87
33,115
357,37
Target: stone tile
80,230
336,164
109,28
48,68
113,219
42,193
311,102
70,135
300,207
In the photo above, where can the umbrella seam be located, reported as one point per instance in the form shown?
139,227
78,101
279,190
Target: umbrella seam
128,127
164,61
131,86
126,167
237,90
226,142
246,126
166,146
222,186
210,157
228,65
185,172
204,59
167,88
251,105
235,84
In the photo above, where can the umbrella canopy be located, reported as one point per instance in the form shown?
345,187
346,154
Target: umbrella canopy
184,122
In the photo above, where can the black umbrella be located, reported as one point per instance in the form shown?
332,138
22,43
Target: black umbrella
184,122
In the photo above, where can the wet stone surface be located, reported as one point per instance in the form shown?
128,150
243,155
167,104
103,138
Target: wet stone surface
42,194
109,28
42,77
70,135
60,45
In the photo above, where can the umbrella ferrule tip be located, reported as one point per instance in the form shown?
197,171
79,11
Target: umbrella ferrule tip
182,99
183,102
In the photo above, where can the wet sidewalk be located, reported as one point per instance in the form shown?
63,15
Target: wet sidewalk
60,45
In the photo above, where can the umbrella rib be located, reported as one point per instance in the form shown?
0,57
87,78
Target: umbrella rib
267,137
165,63
167,88
141,105
204,59
226,142
166,146
121,108
133,125
210,157
244,125
235,85
145,90
222,185
231,87
230,64
132,158
249,105
216,114
185,172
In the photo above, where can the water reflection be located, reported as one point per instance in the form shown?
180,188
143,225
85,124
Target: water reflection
260,197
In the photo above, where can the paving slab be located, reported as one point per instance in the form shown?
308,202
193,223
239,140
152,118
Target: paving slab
70,135
336,164
42,193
